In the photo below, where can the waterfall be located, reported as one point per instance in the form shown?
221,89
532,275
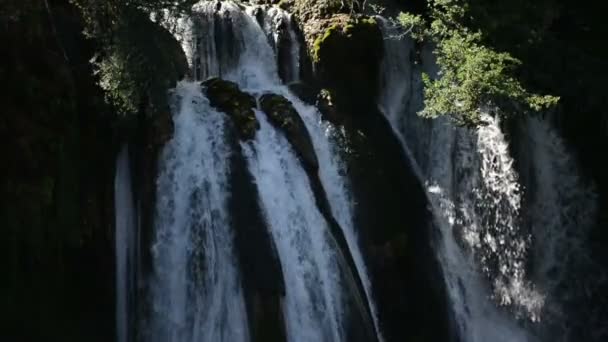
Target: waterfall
314,303
222,39
335,181
196,290
505,265
562,210
475,197
125,246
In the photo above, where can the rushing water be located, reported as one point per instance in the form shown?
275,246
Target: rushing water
125,247
487,240
196,290
509,226
561,262
222,39
314,304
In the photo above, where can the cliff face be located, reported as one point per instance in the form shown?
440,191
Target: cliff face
60,142
57,179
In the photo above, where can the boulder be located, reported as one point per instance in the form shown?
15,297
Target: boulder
347,56
238,105
283,116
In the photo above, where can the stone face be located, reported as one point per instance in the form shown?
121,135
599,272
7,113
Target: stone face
283,115
347,57
238,105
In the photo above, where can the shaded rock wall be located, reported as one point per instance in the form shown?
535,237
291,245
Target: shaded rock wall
56,181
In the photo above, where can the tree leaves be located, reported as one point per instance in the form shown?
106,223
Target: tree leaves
471,76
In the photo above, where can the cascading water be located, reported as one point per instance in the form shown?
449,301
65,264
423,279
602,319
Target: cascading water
196,290
125,247
498,237
314,304
562,208
254,74
476,196
222,39
333,176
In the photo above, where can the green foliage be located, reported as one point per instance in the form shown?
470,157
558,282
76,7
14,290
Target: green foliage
472,77
140,63
414,25
139,60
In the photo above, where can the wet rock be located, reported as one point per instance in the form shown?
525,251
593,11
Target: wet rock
228,98
395,225
283,115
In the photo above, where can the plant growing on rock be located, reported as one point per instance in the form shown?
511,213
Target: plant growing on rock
138,60
471,76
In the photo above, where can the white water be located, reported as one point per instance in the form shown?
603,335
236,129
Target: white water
314,311
196,290
506,266
332,171
125,245
475,197
313,303
562,200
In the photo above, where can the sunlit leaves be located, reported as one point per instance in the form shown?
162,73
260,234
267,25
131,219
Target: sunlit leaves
471,76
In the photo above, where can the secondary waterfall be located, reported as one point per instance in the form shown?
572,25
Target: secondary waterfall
125,247
562,208
487,242
196,290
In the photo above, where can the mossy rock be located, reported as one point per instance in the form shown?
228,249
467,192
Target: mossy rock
230,99
283,115
347,57
315,9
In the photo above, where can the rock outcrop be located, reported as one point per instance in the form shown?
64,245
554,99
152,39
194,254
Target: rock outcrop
238,105
283,115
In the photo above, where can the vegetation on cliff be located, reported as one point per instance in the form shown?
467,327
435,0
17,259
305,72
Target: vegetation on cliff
138,60
472,77
561,46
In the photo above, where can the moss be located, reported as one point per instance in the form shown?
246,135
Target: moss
320,41
352,27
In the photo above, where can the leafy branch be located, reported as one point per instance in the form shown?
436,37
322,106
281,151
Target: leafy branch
471,76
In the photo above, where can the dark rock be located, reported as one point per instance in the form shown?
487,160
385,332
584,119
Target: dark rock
228,98
393,220
327,108
260,266
347,57
283,115
305,92
56,180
